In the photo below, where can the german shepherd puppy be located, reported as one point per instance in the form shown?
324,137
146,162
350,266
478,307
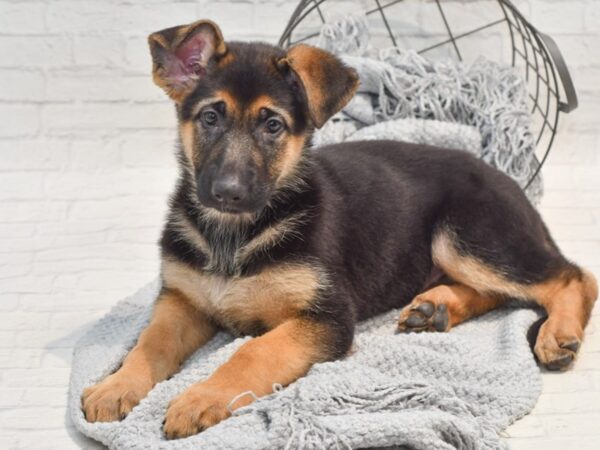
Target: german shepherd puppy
269,238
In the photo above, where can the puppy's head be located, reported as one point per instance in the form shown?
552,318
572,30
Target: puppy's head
245,110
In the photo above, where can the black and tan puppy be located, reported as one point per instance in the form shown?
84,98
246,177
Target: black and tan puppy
269,238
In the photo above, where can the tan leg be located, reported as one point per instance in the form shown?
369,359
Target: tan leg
442,307
568,297
281,355
176,330
569,300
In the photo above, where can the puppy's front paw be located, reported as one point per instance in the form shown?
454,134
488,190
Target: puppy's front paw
113,398
196,409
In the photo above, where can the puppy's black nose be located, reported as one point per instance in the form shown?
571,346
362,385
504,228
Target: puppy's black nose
229,190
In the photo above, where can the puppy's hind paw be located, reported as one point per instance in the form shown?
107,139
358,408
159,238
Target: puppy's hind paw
423,315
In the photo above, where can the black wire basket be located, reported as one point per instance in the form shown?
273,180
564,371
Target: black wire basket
461,29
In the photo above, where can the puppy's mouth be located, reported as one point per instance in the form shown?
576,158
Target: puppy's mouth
232,211
230,215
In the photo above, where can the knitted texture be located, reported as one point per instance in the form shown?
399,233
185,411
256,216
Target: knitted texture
418,131
400,84
455,390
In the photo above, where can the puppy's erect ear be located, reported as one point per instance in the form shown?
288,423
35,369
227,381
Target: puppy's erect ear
180,55
327,82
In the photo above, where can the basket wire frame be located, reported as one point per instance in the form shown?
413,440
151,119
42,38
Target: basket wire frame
532,50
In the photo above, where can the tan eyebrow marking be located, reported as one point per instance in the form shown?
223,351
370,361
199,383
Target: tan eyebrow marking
264,101
232,105
220,96
201,104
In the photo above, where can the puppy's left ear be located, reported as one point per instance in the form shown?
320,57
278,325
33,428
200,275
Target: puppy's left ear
328,83
180,56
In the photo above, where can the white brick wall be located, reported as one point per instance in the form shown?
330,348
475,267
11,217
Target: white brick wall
86,165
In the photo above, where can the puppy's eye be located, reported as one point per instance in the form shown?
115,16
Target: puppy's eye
209,118
274,125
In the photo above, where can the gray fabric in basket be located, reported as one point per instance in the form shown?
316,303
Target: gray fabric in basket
431,132
401,84
422,391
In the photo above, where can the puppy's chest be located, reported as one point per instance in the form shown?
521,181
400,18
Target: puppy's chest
245,304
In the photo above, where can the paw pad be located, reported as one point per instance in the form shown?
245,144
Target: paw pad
425,316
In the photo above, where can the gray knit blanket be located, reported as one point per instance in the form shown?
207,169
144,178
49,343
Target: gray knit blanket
429,391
